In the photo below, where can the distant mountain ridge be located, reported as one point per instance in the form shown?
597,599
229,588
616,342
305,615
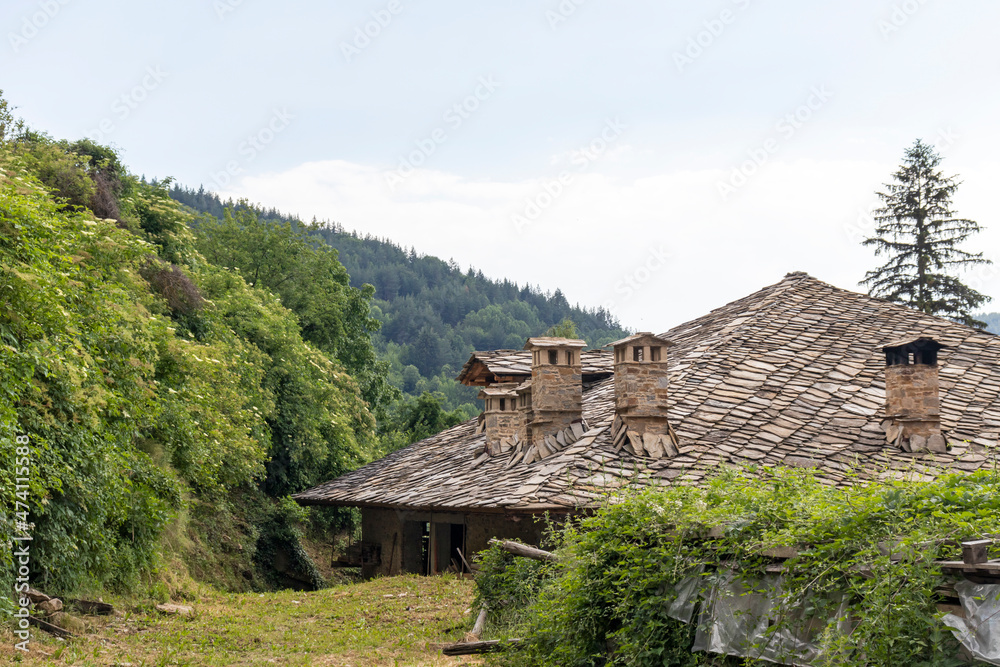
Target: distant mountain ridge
992,321
434,314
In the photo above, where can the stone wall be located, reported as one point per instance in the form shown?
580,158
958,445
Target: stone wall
383,527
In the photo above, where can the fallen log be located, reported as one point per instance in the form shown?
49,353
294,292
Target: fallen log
91,607
524,550
475,648
50,628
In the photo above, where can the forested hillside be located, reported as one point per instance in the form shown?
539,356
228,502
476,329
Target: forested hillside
160,406
433,314
992,321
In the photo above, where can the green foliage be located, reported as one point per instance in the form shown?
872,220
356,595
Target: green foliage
507,586
873,544
433,314
565,329
419,418
10,127
154,387
917,232
310,281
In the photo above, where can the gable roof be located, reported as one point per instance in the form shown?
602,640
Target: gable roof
485,368
792,374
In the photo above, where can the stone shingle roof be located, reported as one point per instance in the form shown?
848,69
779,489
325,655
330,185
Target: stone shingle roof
485,368
792,374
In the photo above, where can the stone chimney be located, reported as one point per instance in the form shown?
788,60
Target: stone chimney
556,385
912,394
524,412
502,415
642,383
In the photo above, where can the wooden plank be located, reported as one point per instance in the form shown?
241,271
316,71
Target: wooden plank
477,629
49,628
965,567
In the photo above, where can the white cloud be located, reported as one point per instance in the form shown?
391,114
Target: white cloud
601,240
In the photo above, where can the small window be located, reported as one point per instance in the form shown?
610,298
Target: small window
569,357
637,354
553,357
654,353
503,404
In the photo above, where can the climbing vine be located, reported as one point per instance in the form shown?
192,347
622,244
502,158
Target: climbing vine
849,575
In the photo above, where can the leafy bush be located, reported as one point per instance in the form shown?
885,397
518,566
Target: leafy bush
872,546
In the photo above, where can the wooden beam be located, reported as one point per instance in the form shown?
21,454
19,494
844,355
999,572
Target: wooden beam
477,629
524,550
475,648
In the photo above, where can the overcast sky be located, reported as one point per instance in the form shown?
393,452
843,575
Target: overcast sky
656,158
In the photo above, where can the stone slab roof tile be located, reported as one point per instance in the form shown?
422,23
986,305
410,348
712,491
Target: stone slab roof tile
792,374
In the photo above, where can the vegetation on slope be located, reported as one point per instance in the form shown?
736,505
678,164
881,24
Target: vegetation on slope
433,314
164,401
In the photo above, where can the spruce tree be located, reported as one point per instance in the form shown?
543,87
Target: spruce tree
917,231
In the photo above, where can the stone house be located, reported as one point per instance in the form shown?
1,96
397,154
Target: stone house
800,373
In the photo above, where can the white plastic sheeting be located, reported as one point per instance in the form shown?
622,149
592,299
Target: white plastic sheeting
737,619
687,589
979,631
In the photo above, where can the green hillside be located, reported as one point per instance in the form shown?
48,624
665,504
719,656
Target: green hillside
433,314
992,321
161,407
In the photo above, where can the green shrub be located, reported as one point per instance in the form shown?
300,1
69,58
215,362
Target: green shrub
871,546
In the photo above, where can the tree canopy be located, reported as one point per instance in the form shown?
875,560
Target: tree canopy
917,231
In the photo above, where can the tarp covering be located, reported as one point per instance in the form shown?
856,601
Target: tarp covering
979,631
736,619
687,591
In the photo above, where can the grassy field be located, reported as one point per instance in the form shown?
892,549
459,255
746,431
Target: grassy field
391,621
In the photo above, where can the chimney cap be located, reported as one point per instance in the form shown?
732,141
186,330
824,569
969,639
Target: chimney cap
552,341
914,344
641,335
498,391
